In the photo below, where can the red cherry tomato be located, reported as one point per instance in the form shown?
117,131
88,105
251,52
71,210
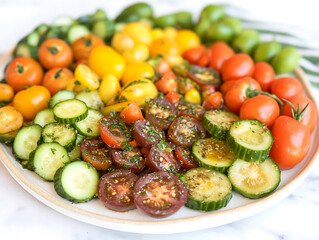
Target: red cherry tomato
204,59
236,95
193,54
264,74
310,117
286,87
238,66
213,101
221,52
262,108
291,142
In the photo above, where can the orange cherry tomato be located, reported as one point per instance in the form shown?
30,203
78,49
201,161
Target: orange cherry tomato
238,66
163,46
262,108
23,72
10,119
132,113
55,52
31,101
167,83
206,90
286,87
213,101
221,52
309,119
56,79
162,67
173,97
291,142
6,92
264,74
193,54
80,61
236,95
82,47
204,59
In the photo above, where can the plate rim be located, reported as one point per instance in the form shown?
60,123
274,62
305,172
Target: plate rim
280,194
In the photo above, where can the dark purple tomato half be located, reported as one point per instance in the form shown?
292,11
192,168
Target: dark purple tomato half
160,194
185,156
204,75
146,134
115,190
130,159
190,109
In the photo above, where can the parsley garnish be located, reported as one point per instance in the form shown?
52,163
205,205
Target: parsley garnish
134,159
112,113
127,147
88,130
142,193
53,150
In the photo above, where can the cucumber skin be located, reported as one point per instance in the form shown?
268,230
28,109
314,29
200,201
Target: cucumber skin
59,188
214,130
208,206
71,120
255,196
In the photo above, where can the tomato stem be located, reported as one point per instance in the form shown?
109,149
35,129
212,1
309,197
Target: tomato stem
58,74
87,42
296,113
53,49
20,69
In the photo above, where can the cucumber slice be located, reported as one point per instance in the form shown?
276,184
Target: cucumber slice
254,179
103,28
61,96
57,32
62,21
250,140
42,29
25,50
99,14
33,39
44,117
61,133
48,158
213,153
70,111
77,31
76,181
26,141
92,99
208,189
218,122
89,127
75,154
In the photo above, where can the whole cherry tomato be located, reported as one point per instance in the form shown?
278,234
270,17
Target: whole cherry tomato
286,87
291,142
193,54
213,101
264,74
23,72
205,58
236,95
55,52
82,47
309,119
56,79
238,66
163,46
206,90
227,85
31,101
6,92
186,39
262,108
221,52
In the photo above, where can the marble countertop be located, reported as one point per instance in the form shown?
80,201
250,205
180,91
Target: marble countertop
24,217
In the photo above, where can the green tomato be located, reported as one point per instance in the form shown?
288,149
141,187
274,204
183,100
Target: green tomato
266,51
213,13
202,27
286,60
135,12
184,19
220,31
246,41
165,21
234,23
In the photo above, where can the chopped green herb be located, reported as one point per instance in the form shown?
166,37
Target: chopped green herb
53,150
127,147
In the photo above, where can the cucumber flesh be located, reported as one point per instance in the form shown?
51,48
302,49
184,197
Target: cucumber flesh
70,111
208,189
254,179
89,126
92,99
103,28
61,96
48,158
250,140
33,39
77,31
76,181
218,122
213,153
44,117
62,21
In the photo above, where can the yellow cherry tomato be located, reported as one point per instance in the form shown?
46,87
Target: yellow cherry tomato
192,96
122,42
110,86
170,33
186,39
10,119
87,77
6,92
141,90
163,46
157,33
137,54
105,60
173,59
119,107
140,32
75,86
31,101
135,71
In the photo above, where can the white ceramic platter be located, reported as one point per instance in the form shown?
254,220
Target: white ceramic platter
184,220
